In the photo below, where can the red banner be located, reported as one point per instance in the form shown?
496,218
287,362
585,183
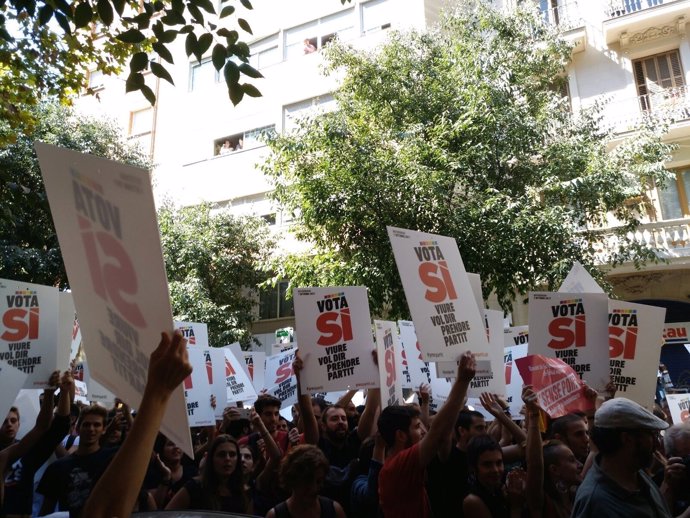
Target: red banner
558,387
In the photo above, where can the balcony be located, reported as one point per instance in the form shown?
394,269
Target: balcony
670,238
643,20
626,114
568,18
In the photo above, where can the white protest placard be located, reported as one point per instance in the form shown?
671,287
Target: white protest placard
196,333
476,284
390,368
238,386
579,281
11,382
29,329
572,327
97,392
215,371
76,340
440,388
65,328
336,345
105,219
282,347
516,340
81,392
635,340
439,294
415,370
488,362
197,391
255,363
280,379
679,404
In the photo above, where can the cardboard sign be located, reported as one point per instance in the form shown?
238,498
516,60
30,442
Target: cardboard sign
558,387
439,294
677,333
238,386
282,347
81,392
415,371
574,328
579,281
494,380
679,404
196,333
76,340
440,389
334,328
215,371
280,378
106,223
29,330
515,342
476,284
255,363
390,368
11,382
96,392
65,327
197,391
635,340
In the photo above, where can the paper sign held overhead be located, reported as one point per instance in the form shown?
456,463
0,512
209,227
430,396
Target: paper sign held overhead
439,294
105,219
415,371
197,390
579,281
29,330
515,342
572,327
11,382
238,386
679,404
280,378
214,359
65,327
255,363
334,328
390,372
196,333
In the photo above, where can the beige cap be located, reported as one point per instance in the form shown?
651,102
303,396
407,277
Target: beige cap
623,413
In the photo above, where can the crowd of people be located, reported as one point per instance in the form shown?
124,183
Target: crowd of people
336,460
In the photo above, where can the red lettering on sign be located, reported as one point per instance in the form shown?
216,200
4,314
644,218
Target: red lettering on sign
229,371
441,288
390,367
188,383
18,327
567,331
331,331
284,372
625,347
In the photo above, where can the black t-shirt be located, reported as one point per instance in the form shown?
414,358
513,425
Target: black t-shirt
228,504
70,480
342,461
447,483
154,478
19,480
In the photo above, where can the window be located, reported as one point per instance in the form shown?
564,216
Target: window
203,75
312,36
270,219
245,140
141,126
376,16
674,197
658,79
95,80
274,304
264,53
293,112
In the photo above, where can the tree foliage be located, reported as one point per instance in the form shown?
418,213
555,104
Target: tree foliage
28,244
48,46
461,132
213,261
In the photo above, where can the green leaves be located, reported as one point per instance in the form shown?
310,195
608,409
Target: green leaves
250,71
83,15
244,25
131,36
218,56
160,71
105,11
250,90
139,62
227,11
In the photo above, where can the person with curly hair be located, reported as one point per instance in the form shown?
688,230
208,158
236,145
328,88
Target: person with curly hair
302,473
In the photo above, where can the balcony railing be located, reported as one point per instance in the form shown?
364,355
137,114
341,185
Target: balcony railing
618,8
566,16
670,238
628,113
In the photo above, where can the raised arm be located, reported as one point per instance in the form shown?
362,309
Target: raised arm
116,492
534,487
274,453
447,415
424,395
367,421
306,411
492,405
346,398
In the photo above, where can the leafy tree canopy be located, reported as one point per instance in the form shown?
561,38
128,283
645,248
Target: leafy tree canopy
461,132
28,243
213,262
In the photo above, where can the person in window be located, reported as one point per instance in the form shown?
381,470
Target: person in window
226,148
309,47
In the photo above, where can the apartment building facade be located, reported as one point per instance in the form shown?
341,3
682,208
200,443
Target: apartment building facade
634,55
